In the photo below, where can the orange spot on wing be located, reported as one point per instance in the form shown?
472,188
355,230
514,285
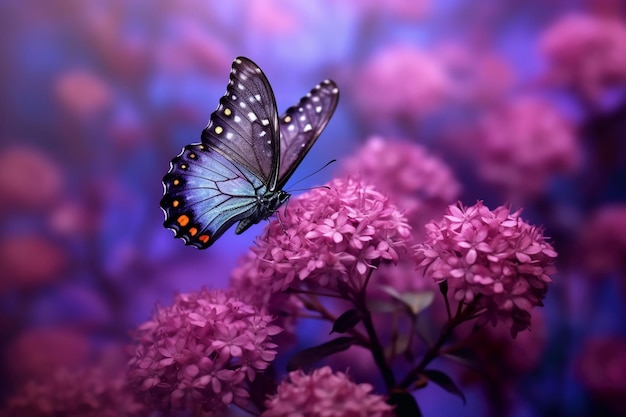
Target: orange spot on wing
176,182
175,203
193,231
183,220
203,238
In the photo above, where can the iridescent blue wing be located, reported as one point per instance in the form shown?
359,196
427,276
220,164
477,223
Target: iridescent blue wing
244,128
302,124
206,193
212,185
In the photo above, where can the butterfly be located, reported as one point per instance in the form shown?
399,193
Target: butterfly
246,155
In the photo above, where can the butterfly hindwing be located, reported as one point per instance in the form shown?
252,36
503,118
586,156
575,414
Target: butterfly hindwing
205,194
244,128
302,124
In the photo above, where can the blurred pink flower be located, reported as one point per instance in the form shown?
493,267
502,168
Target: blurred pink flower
324,393
522,144
332,238
602,242
586,52
36,351
30,261
492,258
92,392
601,368
503,359
201,352
28,180
82,93
419,184
253,289
479,77
400,84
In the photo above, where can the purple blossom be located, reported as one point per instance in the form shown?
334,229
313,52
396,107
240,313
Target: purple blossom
325,393
586,52
332,238
99,391
201,351
492,258
522,144
418,183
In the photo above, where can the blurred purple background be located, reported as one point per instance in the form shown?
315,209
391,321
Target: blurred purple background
523,101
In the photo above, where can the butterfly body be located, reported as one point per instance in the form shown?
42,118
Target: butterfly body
246,156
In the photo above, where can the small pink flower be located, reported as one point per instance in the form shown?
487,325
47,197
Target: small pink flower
201,352
586,52
83,93
418,183
492,258
400,84
523,144
324,393
331,238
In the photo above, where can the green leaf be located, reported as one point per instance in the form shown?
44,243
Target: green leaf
415,301
347,321
307,357
445,382
405,404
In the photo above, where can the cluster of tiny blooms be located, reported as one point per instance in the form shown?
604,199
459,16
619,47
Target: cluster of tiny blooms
523,143
331,237
586,52
201,352
417,182
491,258
91,392
325,393
245,279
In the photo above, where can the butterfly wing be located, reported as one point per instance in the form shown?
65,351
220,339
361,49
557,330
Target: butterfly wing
244,128
302,124
205,194
212,185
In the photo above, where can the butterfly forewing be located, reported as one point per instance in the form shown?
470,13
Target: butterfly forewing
205,194
302,124
244,128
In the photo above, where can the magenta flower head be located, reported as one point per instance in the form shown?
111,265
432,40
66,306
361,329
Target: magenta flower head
418,183
492,259
97,391
332,238
325,393
200,353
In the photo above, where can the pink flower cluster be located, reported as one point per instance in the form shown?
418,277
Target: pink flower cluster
332,238
400,83
246,280
417,182
602,244
586,52
91,392
492,258
324,393
201,352
602,370
524,143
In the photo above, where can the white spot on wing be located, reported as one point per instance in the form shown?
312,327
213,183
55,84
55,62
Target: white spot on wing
265,122
237,119
242,104
318,109
291,127
252,116
229,135
307,128
240,86
258,97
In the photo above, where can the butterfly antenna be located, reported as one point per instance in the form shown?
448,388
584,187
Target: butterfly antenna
332,161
